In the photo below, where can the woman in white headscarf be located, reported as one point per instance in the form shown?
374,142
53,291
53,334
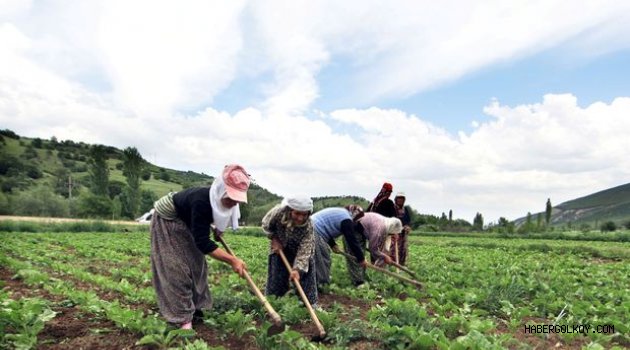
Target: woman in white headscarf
378,230
288,226
180,240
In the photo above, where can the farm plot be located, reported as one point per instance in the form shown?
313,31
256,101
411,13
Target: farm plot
93,290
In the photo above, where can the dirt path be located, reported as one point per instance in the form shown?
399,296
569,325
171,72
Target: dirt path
55,220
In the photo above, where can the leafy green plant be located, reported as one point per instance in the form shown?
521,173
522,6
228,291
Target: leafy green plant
21,321
167,340
237,323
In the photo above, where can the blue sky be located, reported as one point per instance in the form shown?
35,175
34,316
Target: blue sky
454,105
486,106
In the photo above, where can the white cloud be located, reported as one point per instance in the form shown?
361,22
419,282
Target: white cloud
135,74
10,8
163,55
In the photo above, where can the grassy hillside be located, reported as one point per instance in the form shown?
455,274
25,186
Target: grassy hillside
59,171
51,178
612,204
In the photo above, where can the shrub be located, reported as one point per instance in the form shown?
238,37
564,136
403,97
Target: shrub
41,202
608,226
93,206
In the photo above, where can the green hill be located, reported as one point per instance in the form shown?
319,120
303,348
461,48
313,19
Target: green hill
612,204
51,178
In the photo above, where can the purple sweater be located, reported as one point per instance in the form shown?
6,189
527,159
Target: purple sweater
375,231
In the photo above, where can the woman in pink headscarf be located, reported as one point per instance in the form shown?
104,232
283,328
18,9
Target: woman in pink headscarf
180,240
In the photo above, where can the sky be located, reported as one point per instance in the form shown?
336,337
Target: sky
487,107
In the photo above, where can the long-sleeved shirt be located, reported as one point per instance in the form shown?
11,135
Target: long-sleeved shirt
404,215
331,223
375,231
193,207
298,241
386,207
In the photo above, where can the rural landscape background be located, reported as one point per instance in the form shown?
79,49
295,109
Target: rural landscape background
64,178
87,282
505,123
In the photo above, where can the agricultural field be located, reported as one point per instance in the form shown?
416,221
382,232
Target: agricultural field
71,290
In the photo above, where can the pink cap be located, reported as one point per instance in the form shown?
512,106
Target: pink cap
236,182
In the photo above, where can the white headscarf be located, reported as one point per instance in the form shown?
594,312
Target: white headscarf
393,225
299,203
221,215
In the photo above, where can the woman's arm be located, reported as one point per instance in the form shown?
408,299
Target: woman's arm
237,264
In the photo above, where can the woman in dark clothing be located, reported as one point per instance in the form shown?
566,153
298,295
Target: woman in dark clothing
180,239
382,204
402,240
288,226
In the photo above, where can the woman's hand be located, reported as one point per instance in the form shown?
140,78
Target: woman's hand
276,245
238,266
217,234
388,260
295,275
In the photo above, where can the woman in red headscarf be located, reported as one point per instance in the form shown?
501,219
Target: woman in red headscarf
382,204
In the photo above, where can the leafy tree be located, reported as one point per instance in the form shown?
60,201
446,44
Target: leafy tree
165,176
443,221
116,208
450,215
244,209
608,226
94,206
505,226
478,222
10,134
29,153
115,188
61,181
5,205
548,212
528,226
132,169
8,162
8,184
99,172
37,142
33,172
147,199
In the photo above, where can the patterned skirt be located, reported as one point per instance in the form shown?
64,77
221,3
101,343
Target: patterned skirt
278,277
322,261
180,271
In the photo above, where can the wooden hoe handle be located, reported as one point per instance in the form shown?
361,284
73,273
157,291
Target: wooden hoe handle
274,315
322,332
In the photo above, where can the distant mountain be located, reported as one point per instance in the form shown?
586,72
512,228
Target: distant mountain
612,204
